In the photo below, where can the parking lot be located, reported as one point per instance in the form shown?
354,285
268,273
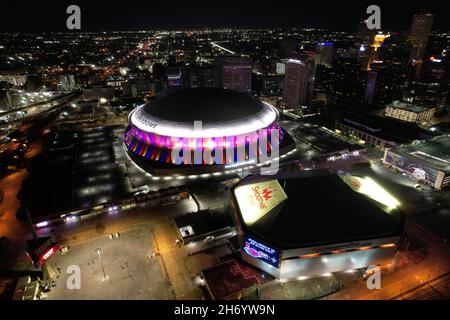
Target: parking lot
131,271
76,169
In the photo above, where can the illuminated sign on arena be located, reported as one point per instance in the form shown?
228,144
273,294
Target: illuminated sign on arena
257,199
261,251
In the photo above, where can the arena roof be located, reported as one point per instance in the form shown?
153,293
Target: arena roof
222,112
320,209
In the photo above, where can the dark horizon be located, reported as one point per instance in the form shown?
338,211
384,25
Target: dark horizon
157,15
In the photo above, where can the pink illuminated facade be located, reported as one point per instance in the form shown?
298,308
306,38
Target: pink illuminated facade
159,148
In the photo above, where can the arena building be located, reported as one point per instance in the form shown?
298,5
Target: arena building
315,223
204,131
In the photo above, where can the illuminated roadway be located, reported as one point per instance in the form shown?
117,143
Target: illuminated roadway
11,184
222,48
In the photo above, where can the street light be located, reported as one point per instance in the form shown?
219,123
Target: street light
99,252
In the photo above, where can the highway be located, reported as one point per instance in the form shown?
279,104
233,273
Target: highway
11,183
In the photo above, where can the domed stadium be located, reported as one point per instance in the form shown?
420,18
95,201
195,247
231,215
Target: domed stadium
199,120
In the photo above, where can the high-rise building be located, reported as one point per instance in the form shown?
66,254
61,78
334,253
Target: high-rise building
281,67
432,88
272,85
343,83
159,71
5,96
409,112
374,52
385,82
371,86
233,72
324,54
288,48
347,80
67,82
138,88
389,67
323,83
364,38
296,79
177,76
364,35
205,75
418,36
116,81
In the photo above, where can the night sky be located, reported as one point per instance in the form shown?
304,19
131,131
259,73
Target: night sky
98,15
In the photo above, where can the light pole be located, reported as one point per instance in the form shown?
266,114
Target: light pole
99,252
407,247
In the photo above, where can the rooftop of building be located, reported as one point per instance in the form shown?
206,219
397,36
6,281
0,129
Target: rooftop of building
319,209
324,140
221,112
434,152
203,223
386,128
397,104
206,104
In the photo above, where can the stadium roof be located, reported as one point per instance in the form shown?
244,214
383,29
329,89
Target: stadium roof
320,209
222,112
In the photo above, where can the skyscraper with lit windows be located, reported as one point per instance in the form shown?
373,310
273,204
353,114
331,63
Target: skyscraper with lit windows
324,54
233,72
419,34
295,89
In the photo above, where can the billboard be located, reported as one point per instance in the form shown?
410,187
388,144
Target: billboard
281,68
261,251
41,249
418,171
257,199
